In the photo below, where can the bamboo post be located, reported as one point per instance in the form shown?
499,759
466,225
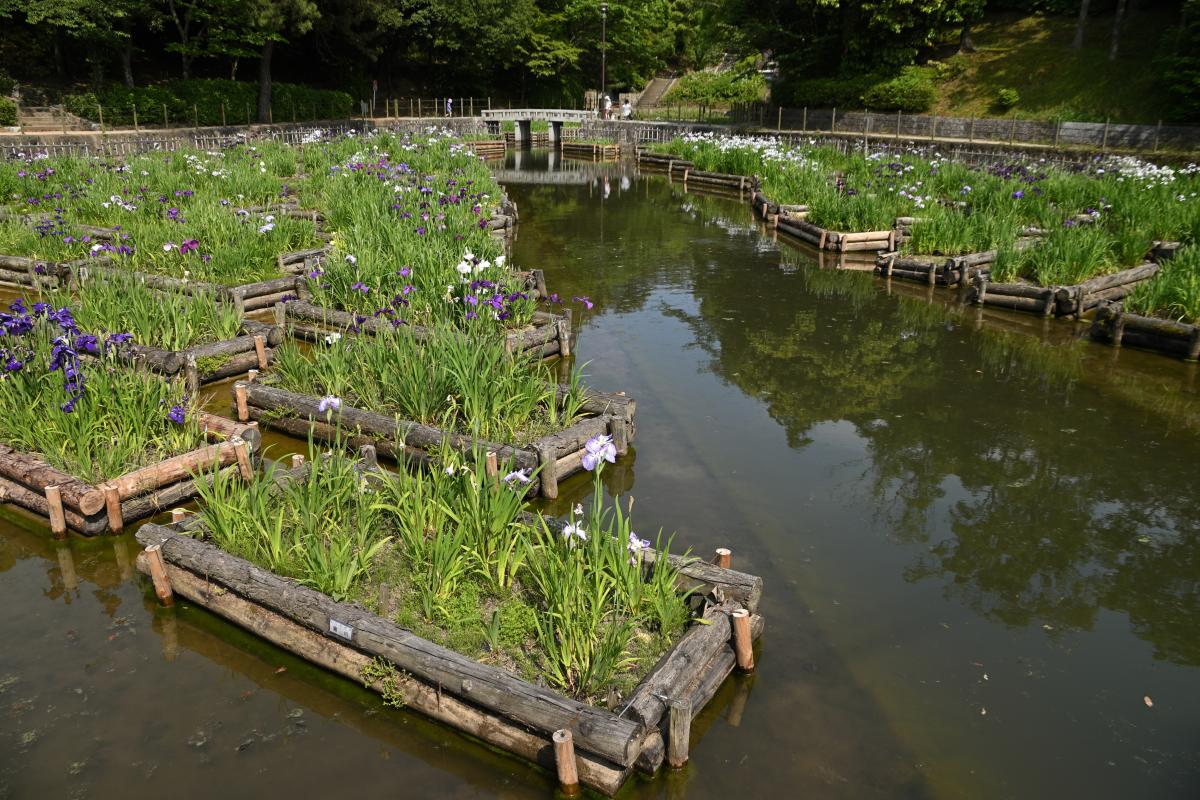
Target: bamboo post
743,643
158,574
971,134
112,506
166,120
100,113
58,517
724,557
1157,132
260,349
195,115
779,120
135,121
1104,143
239,393
222,113
1057,131
679,732
898,125
564,760
833,121
247,113
804,120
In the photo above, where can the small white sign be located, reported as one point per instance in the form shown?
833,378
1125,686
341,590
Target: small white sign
341,629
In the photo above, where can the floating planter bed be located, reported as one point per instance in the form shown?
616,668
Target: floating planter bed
215,361
21,271
958,270
559,455
669,164
28,481
1114,325
547,335
584,744
1061,300
592,151
488,148
794,224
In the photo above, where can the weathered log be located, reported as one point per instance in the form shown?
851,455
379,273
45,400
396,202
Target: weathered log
164,362
260,288
791,230
572,439
864,236
680,666
172,470
1125,276
1018,303
221,349
272,334
160,282
1017,290
351,664
865,245
33,472
595,730
239,364
16,494
266,300
321,431
413,434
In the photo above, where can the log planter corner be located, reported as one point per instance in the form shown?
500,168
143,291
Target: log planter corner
559,455
590,151
1112,324
480,700
29,482
547,336
215,361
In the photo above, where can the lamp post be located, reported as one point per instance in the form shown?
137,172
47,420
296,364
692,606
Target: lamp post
603,49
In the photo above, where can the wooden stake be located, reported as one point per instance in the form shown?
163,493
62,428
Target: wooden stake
679,732
492,465
297,460
564,759
158,573
243,459
177,515
112,505
548,475
260,347
243,410
58,517
251,376
191,376
724,557
743,643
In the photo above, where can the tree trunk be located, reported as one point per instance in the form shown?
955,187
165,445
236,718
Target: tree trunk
127,63
1080,25
264,82
60,64
965,43
186,65
1116,31
233,69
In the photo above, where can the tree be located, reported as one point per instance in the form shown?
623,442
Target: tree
1077,44
1116,31
267,22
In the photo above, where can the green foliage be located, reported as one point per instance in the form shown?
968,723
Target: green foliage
8,112
383,675
189,100
840,92
1007,97
1175,292
743,84
911,91
1180,62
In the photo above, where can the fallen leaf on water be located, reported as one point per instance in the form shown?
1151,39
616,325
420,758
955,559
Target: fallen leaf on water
281,670
1149,703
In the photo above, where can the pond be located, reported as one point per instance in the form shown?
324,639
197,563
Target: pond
979,535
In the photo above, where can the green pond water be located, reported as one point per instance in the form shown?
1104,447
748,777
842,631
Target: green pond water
980,537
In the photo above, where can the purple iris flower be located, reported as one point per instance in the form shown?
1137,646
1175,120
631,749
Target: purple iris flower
359,286
517,476
586,302
13,364
1018,194
599,448
189,246
329,403
177,415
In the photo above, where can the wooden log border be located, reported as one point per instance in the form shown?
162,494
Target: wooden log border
92,510
591,151
480,700
558,454
548,336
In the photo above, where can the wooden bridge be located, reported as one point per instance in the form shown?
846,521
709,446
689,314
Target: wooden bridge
523,117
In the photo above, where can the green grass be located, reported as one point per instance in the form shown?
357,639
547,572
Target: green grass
165,319
580,612
463,380
1032,54
1174,293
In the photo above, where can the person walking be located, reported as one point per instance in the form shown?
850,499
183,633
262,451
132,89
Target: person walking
627,110
607,107
449,106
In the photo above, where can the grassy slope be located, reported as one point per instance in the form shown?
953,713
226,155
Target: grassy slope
1033,55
